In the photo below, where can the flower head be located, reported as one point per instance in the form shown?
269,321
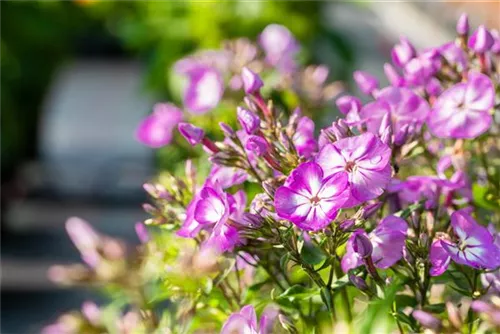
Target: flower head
474,244
462,111
309,199
366,162
280,47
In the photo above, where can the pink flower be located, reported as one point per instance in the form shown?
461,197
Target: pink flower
462,111
156,130
366,162
303,138
310,200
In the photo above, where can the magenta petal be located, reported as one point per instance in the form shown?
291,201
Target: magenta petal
367,184
351,259
204,91
291,205
439,257
210,209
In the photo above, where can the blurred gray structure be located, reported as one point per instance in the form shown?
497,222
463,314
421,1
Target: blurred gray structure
90,166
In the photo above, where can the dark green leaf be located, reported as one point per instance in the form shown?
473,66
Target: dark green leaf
435,308
312,255
327,298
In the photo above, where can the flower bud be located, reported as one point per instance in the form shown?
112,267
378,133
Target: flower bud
347,103
193,134
370,209
395,79
463,25
402,135
227,130
251,81
495,48
340,129
250,104
347,225
366,82
402,52
362,245
454,315
386,136
91,312
358,282
481,40
249,121
427,320
142,232
286,324
257,145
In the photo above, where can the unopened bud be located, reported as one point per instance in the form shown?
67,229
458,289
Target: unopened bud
362,245
427,320
358,282
193,134
463,25
227,130
251,81
366,82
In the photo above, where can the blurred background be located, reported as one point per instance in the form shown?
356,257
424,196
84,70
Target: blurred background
78,76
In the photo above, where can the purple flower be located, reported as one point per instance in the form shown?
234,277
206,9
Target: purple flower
481,40
415,188
248,120
462,111
463,25
251,81
455,55
244,322
419,70
193,134
366,161
205,89
474,246
387,241
257,145
280,47
214,209
403,52
405,108
156,130
303,138
366,82
309,199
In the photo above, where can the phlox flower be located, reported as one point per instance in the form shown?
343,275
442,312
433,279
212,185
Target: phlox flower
462,111
365,159
473,246
309,199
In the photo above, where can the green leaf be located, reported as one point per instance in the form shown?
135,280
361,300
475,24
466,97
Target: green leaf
483,198
340,283
403,301
298,292
327,298
312,255
435,308
284,261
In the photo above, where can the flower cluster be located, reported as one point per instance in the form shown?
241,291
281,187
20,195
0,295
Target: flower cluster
361,221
